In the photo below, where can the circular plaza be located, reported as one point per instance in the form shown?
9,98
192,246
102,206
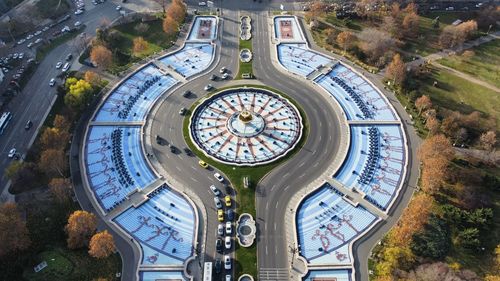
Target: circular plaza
245,126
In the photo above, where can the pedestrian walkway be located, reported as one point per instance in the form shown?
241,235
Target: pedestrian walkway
273,274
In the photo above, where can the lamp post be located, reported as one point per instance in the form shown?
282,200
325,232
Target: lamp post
293,250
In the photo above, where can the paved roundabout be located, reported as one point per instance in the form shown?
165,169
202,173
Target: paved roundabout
337,185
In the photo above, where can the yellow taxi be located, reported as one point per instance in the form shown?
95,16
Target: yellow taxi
220,215
203,164
227,199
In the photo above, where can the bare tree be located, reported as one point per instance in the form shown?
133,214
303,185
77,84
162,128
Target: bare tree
375,43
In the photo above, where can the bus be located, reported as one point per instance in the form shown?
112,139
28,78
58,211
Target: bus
4,121
207,271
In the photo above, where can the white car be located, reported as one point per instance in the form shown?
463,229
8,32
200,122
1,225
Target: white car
21,55
202,4
215,191
38,40
118,7
227,262
225,75
38,33
228,277
58,65
218,177
208,87
227,242
52,82
78,12
66,67
29,37
220,229
77,24
30,44
229,228
45,28
12,152
223,70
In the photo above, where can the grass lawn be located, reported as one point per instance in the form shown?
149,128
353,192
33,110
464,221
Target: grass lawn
155,37
247,260
455,93
485,64
63,264
245,67
354,24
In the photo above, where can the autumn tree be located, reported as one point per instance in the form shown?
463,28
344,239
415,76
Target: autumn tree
80,227
101,245
140,45
423,103
60,189
412,220
177,11
396,70
394,258
61,123
346,40
316,9
141,27
13,231
452,36
435,153
53,162
78,93
390,24
170,26
435,146
375,43
93,78
101,56
24,175
488,140
432,124
54,138
488,16
411,24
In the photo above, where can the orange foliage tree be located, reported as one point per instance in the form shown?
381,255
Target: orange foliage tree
92,77
170,26
101,56
177,11
423,103
346,40
13,231
414,218
53,162
396,70
101,245
80,227
140,45
435,153
60,189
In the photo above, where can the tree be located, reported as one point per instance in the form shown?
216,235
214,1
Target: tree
440,271
434,241
170,26
452,36
374,43
177,11
101,56
468,54
396,70
140,45
316,10
13,168
61,189
423,103
394,258
432,124
411,24
78,94
101,245
346,40
434,147
54,138
488,16
80,227
488,141
61,123
497,256
53,162
24,176
13,231
413,220
391,25
469,238
93,78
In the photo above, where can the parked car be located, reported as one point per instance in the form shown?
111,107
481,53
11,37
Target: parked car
208,87
30,44
118,7
182,111
78,12
225,76
186,94
66,67
223,70
227,200
227,242
218,266
218,177
69,57
218,203
52,82
215,190
229,228
77,24
228,277
230,214
203,164
38,40
218,245
220,229
220,215
227,262
58,65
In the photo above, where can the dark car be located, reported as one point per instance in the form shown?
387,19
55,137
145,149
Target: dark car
213,77
173,149
230,214
218,245
218,266
188,151
69,57
186,93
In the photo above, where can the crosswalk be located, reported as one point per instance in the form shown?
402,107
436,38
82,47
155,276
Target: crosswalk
273,274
